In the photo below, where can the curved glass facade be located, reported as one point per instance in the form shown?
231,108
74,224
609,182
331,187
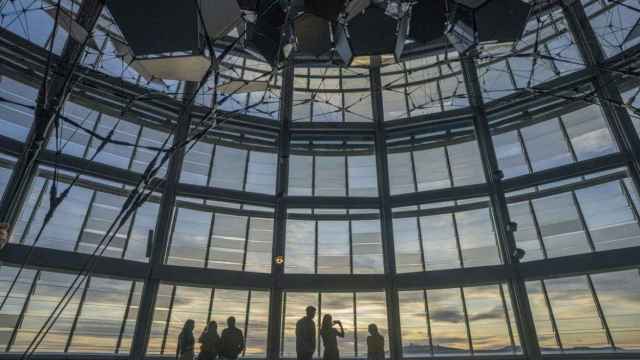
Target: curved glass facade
396,193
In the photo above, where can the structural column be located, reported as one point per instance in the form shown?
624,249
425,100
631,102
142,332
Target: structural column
504,230
620,123
386,215
162,232
280,215
54,91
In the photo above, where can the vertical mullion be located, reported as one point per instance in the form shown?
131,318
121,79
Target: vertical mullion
457,236
168,323
319,322
246,171
355,325
36,206
246,243
135,148
583,222
630,202
466,319
603,320
171,232
284,314
536,225
207,251
210,310
23,310
418,222
125,247
426,309
125,317
74,324
246,322
552,317
351,252
87,216
508,318
210,172
315,231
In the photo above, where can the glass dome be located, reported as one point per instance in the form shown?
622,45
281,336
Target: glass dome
470,206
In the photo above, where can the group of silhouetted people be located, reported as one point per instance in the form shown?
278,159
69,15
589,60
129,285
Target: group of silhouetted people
306,338
229,345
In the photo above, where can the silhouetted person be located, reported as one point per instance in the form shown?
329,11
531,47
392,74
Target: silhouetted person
186,341
330,337
210,342
375,344
231,341
306,335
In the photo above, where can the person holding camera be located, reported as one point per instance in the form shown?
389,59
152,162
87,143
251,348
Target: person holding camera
330,337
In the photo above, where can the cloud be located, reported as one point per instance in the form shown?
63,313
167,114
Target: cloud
495,313
447,316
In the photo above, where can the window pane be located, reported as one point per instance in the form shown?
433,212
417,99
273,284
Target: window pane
407,246
446,315
300,247
487,320
259,244
619,296
190,237
367,247
228,242
333,247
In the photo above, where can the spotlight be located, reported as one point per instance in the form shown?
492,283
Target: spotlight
370,33
518,254
279,260
461,36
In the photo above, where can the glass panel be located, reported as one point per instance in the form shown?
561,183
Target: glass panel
370,309
487,320
300,175
340,307
560,225
446,315
609,216
15,121
477,238
259,242
575,312
228,242
228,168
413,324
542,318
333,247
15,301
330,176
256,333
190,237
431,169
294,309
188,303
101,316
367,247
439,242
261,174
407,246
362,176
619,296
300,247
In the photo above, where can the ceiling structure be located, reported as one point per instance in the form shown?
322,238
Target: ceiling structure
471,201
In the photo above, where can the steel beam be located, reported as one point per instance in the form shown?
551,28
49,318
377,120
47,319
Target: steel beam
52,95
274,330
506,239
386,215
162,232
620,123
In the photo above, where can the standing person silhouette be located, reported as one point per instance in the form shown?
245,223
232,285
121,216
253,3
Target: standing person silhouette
375,344
186,341
330,337
306,335
210,342
231,341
